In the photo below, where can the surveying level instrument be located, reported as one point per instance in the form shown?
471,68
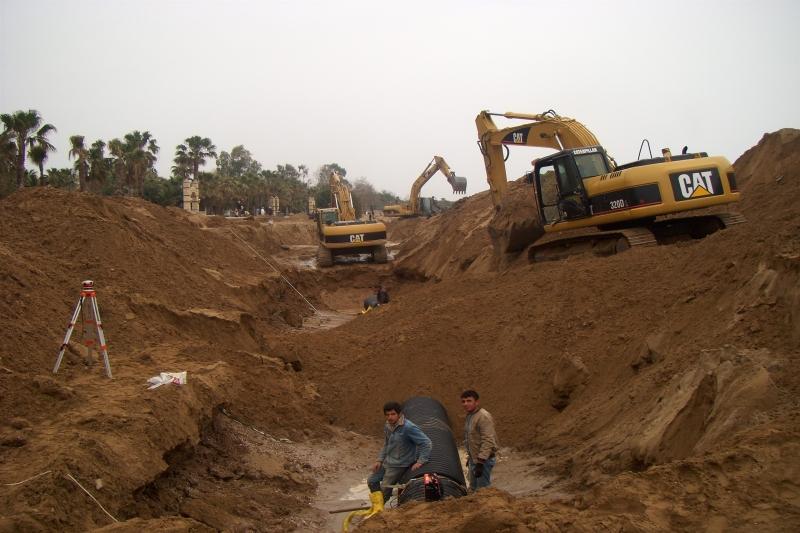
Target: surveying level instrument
93,334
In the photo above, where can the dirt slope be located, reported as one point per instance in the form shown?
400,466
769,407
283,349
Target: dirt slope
175,293
448,244
658,388
661,384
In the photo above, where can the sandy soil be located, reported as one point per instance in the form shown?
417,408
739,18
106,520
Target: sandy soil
655,390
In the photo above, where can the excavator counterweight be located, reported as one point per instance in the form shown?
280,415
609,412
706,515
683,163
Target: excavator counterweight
341,233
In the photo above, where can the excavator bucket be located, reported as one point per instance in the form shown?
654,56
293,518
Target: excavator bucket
459,184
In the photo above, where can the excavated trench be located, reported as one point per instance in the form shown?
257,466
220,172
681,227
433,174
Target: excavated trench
238,477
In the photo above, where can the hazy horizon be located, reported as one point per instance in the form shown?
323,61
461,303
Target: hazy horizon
380,88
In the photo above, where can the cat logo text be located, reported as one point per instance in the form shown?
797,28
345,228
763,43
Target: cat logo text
696,184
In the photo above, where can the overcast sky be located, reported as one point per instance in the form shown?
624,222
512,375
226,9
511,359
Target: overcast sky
380,87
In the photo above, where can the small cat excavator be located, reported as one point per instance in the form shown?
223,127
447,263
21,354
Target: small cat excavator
416,206
341,233
610,207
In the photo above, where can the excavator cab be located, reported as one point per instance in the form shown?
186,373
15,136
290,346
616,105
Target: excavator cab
328,216
558,182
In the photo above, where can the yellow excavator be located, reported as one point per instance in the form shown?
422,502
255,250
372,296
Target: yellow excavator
340,233
418,206
615,206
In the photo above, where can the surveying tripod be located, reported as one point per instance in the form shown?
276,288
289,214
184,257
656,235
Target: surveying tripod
92,335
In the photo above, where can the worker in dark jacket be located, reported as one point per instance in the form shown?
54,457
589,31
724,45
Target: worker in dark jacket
382,294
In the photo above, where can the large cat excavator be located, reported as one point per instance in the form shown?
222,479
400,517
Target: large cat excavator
340,233
415,205
614,206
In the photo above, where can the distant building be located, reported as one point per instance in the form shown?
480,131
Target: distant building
191,195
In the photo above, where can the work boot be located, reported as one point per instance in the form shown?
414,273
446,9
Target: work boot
377,502
377,506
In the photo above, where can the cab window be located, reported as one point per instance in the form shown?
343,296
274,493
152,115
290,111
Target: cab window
548,190
567,180
591,165
329,217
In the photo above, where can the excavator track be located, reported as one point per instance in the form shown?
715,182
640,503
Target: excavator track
638,236
599,243
731,219
671,229
610,242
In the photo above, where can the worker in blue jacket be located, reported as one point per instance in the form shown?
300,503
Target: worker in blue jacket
405,446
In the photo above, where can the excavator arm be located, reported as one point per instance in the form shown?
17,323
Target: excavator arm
545,130
342,198
438,163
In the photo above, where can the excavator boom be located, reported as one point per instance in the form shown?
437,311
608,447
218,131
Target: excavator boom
437,164
545,130
342,198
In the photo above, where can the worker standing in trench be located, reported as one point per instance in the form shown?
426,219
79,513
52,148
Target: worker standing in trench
404,446
480,441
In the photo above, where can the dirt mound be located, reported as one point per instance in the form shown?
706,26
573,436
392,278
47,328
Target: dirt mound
515,225
174,294
398,230
674,367
273,235
143,258
448,244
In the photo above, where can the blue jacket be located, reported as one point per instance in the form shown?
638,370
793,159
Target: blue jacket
405,445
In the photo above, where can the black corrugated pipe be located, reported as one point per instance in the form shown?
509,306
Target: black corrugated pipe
442,475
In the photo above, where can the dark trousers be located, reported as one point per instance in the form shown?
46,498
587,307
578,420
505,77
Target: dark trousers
390,475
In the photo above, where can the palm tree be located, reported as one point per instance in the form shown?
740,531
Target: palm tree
119,165
195,152
133,158
80,153
26,129
182,166
38,155
98,169
140,151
